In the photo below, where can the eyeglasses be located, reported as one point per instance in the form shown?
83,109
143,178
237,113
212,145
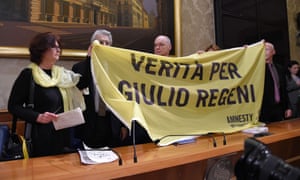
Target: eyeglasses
56,47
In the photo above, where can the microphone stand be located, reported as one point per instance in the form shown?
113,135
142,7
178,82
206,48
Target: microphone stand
224,139
133,141
213,138
120,159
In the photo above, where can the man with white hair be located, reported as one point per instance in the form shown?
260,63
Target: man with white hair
97,130
275,104
162,45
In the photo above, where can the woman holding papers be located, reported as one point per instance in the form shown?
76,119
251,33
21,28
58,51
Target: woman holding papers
54,91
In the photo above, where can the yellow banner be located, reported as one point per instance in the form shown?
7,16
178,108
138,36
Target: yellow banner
214,92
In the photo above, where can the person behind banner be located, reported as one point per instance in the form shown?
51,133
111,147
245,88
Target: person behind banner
54,86
102,127
211,47
162,45
275,104
293,87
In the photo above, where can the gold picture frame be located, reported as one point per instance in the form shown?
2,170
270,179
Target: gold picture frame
76,28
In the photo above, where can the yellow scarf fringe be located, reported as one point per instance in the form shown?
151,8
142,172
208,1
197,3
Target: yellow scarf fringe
65,80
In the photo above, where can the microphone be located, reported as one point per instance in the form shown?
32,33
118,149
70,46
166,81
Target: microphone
213,138
120,159
224,139
133,141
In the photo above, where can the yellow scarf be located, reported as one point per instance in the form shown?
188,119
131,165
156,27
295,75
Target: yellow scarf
65,80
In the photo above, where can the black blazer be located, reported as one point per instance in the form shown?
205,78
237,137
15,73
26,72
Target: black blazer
96,131
268,104
45,139
86,81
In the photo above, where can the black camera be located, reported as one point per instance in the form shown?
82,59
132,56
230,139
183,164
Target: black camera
257,163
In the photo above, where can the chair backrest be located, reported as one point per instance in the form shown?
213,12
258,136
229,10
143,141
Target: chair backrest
4,134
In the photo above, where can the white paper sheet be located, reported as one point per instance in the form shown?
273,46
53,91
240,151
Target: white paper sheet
182,140
256,130
69,119
97,155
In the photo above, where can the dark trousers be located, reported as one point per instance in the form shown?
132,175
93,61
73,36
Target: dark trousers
141,135
272,113
106,131
96,131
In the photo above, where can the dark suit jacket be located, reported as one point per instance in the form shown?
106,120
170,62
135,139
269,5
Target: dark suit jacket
96,132
293,93
270,110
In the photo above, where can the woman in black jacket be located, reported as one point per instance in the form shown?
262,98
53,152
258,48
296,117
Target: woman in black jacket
54,91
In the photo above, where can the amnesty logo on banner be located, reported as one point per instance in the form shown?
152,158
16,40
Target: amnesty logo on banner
214,92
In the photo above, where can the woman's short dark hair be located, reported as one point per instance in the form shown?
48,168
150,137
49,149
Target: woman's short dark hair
290,64
40,44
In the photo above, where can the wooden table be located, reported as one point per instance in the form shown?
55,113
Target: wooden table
189,161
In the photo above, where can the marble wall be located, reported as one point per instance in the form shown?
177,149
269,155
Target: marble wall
197,25
293,7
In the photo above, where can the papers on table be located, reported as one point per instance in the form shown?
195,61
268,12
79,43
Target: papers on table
97,156
256,130
69,119
177,140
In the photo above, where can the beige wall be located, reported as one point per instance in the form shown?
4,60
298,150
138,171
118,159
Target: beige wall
197,25
197,32
293,7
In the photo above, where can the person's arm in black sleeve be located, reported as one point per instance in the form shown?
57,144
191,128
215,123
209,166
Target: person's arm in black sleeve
84,69
19,97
